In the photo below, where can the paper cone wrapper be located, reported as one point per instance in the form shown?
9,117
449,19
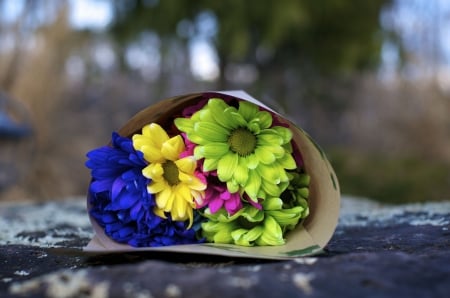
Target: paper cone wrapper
308,238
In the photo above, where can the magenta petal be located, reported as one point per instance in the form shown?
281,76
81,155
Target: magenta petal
215,205
254,204
201,176
226,195
233,205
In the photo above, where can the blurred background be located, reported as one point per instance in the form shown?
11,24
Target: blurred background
369,80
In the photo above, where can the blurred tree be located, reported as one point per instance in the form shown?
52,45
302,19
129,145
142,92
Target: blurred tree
298,55
312,36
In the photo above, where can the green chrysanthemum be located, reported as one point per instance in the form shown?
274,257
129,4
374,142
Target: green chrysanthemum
297,193
251,226
248,153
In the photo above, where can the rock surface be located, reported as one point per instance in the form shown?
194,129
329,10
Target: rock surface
376,251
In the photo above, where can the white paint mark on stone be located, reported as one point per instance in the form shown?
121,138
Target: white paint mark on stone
42,255
305,261
242,282
22,273
64,284
254,268
133,290
303,282
99,290
427,221
142,294
172,291
224,270
6,279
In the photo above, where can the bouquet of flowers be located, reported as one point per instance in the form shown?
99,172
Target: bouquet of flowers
211,168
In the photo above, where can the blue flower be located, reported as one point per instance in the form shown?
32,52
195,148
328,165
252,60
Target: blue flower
120,202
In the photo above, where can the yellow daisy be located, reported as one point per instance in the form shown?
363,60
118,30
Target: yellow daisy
173,179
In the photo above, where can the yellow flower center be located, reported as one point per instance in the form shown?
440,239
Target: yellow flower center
171,173
242,141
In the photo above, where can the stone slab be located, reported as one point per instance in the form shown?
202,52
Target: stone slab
376,251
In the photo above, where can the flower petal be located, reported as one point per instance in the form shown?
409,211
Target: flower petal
251,161
181,202
186,165
226,166
241,172
272,235
193,182
273,204
253,185
237,118
157,186
253,234
211,132
156,133
247,110
246,237
232,186
215,205
264,156
270,172
287,217
212,150
218,232
210,164
220,110
153,171
184,124
269,137
172,148
265,119
284,132
287,162
164,199
271,188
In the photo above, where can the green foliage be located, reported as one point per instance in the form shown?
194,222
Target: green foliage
343,35
328,35
391,179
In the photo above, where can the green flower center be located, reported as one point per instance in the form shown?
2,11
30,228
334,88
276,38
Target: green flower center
171,173
242,141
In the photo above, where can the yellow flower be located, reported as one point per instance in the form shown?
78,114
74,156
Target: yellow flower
173,179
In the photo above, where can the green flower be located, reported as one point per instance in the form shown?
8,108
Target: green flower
297,193
251,226
248,153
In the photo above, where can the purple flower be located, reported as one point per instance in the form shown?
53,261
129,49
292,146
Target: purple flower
120,202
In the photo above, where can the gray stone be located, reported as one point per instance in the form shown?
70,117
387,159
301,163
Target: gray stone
376,251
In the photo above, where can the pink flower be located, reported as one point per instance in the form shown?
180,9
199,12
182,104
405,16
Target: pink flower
218,196
216,193
189,147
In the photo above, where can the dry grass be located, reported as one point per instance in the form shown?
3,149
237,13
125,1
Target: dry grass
403,118
37,79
